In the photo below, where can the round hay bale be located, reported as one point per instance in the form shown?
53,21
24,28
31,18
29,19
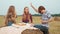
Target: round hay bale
57,18
32,31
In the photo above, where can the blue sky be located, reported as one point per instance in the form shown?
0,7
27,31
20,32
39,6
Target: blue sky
53,6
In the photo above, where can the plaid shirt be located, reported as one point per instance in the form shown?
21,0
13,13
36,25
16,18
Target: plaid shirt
45,17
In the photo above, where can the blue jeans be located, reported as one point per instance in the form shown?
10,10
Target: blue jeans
42,28
9,23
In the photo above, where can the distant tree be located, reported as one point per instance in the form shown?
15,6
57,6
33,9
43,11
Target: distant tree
55,14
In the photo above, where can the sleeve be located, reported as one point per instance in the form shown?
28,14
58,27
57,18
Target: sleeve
49,16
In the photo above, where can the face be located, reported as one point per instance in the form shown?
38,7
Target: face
12,9
26,10
43,11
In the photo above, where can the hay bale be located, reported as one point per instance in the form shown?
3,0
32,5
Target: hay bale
57,19
32,31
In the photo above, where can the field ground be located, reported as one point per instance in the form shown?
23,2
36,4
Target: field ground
53,29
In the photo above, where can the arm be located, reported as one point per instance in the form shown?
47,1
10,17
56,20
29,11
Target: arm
13,19
50,20
34,8
5,21
31,18
23,17
50,17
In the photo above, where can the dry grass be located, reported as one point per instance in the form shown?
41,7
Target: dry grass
53,29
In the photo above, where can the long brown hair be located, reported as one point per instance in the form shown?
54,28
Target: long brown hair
25,11
10,10
27,15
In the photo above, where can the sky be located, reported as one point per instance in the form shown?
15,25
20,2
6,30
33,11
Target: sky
52,6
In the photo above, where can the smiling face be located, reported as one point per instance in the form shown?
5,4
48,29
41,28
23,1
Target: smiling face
11,9
42,11
26,10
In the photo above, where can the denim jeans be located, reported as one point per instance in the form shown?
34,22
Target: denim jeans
9,23
42,28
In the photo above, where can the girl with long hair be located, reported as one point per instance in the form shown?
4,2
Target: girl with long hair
11,16
27,17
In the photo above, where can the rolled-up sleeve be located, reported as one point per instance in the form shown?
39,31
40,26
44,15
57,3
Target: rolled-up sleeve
49,16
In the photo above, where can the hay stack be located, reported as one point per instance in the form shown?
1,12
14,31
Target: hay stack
57,18
31,31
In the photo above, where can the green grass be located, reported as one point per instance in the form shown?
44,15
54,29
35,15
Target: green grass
53,29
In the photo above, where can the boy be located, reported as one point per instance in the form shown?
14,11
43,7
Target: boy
46,17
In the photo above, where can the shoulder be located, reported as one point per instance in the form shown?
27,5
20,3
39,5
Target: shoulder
23,14
48,13
29,13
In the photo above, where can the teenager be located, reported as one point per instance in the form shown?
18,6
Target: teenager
46,18
11,16
27,17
